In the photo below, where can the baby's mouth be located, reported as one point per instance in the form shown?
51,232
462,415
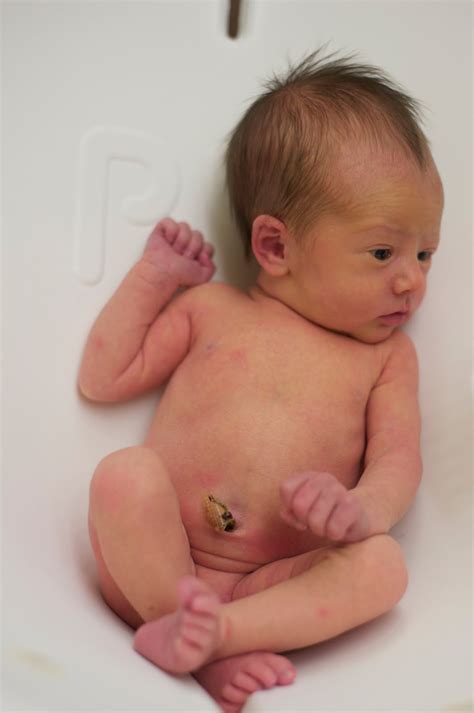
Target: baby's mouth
395,318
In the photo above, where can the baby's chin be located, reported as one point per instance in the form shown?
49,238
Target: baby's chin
374,336
371,334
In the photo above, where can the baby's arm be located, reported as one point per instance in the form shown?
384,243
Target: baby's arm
392,466
138,339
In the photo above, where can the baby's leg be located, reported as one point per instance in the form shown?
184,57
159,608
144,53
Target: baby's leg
286,605
143,556
310,598
141,546
302,600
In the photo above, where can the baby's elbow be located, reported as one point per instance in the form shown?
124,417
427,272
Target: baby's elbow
397,572
390,564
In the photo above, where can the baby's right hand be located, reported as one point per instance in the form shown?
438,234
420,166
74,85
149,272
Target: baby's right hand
181,252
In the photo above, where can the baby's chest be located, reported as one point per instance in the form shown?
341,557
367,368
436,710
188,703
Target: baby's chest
309,381
311,398
279,365
319,425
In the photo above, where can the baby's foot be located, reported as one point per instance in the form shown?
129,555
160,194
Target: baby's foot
183,641
231,681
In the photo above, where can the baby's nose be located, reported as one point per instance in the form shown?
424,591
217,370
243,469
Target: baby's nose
409,279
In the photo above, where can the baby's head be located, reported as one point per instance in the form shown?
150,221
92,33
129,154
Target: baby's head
332,158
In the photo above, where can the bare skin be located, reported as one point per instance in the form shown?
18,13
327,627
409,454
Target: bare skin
301,418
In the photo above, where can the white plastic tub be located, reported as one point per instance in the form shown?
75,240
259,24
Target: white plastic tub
103,101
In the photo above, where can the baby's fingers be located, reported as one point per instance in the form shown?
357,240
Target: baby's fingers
205,256
297,497
289,486
183,238
167,228
291,520
195,245
321,511
340,520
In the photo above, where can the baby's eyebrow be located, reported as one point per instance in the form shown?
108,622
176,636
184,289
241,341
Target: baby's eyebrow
383,228
394,231
380,228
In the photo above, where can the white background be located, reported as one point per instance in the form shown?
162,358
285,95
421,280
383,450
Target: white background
167,72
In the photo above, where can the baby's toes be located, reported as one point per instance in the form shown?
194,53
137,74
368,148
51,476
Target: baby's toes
196,595
200,606
259,671
245,682
272,670
197,633
205,604
240,688
265,676
283,668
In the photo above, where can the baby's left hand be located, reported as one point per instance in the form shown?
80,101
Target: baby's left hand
318,501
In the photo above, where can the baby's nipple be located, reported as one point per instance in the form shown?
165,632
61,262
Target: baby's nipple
217,515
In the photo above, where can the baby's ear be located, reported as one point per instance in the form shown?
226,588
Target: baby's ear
270,244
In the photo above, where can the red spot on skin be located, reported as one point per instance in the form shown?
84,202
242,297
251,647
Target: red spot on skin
239,356
209,480
323,613
97,342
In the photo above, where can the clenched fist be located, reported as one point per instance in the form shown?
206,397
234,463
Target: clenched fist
180,251
319,502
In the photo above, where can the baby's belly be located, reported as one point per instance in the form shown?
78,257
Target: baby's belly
245,493
253,543
239,450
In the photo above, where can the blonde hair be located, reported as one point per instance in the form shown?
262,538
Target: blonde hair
280,155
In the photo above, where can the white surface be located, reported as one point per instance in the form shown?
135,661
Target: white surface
166,72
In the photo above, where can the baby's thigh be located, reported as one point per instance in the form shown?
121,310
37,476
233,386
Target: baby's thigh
279,571
109,589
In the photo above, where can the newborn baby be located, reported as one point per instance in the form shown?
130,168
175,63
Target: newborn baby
255,517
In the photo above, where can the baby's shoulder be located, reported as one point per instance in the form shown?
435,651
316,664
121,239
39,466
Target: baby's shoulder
212,290
213,294
212,301
400,343
397,353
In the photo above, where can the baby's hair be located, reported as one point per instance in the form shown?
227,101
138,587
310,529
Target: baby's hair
279,156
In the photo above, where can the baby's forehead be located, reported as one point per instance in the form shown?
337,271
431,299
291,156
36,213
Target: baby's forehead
359,160
367,174
392,194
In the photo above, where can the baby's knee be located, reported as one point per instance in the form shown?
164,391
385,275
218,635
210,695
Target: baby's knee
385,554
124,475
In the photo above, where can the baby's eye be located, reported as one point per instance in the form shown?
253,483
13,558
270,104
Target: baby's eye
381,254
424,256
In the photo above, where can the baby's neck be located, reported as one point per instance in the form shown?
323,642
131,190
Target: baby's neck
277,293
